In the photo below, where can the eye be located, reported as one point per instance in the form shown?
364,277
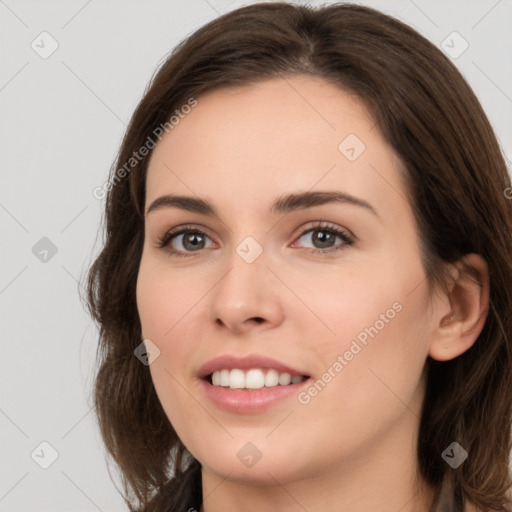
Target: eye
324,235
186,240
190,238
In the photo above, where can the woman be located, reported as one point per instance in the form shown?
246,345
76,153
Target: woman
304,293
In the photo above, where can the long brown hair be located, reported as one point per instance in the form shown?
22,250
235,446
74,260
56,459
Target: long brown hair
456,175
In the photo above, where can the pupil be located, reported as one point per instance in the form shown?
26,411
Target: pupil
190,239
323,238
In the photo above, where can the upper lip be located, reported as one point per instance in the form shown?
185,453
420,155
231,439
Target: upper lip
229,362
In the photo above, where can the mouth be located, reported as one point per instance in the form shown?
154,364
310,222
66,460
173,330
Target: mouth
253,378
251,383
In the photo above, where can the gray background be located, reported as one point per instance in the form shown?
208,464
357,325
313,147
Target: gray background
62,121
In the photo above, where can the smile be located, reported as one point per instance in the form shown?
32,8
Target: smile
254,378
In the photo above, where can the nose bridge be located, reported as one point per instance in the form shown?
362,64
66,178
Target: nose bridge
247,265
245,291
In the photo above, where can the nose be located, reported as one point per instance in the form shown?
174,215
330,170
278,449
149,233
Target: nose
246,297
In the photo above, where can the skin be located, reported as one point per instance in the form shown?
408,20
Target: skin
352,447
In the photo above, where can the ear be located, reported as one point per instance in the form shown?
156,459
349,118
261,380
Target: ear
461,321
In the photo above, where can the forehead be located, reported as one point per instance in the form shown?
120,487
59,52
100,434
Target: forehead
249,144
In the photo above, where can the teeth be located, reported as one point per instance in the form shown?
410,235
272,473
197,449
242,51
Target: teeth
224,378
285,379
236,379
255,378
271,379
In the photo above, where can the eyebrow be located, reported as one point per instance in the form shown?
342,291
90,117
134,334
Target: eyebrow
283,204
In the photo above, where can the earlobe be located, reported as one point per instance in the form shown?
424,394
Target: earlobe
459,326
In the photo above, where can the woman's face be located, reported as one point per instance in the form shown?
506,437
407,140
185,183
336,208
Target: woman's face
331,290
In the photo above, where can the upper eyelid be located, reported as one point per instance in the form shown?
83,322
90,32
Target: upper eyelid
308,225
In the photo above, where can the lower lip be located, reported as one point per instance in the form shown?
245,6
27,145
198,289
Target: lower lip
252,400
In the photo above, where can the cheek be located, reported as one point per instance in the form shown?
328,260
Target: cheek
383,357
165,307
370,373
374,332
164,298
171,316
356,302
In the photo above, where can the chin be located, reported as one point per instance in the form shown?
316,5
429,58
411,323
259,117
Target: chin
251,462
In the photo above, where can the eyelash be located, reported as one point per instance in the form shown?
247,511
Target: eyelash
164,240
